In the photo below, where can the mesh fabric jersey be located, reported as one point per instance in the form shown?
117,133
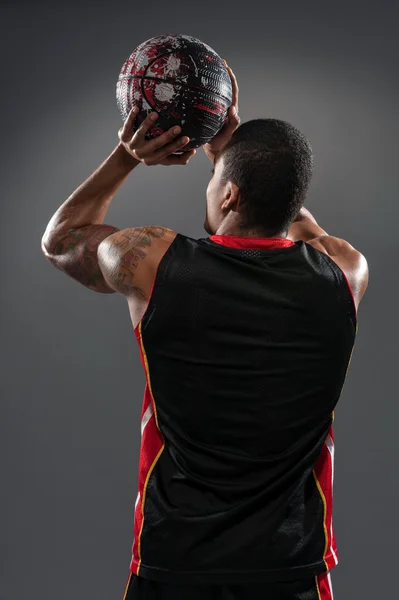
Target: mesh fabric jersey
245,352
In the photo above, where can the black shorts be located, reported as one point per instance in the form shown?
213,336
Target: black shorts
314,588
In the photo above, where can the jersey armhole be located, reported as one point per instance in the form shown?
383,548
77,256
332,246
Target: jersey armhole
327,259
137,328
348,286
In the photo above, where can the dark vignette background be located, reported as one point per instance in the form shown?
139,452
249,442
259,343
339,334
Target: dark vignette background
71,379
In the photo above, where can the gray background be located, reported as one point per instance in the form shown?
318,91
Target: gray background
71,379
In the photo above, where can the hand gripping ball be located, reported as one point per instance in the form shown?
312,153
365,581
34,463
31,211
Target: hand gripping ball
180,78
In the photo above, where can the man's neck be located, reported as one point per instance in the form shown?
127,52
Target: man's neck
233,232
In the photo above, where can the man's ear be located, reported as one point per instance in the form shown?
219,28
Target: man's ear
232,197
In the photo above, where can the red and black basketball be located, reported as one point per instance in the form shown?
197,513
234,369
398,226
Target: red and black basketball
180,78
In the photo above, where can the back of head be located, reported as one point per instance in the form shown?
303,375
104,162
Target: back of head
271,163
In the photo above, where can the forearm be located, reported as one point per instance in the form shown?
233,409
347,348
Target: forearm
89,203
304,214
305,227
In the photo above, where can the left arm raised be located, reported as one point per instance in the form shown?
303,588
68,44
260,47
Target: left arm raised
74,233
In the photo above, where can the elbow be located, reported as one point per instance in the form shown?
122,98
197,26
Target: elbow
45,247
48,247
49,243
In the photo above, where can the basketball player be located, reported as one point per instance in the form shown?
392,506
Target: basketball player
245,337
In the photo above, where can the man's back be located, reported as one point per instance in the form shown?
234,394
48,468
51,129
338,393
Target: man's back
245,352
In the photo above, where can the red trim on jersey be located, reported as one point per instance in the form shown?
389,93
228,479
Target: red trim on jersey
324,473
247,243
323,584
152,445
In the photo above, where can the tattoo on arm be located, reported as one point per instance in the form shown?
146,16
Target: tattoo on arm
120,256
76,255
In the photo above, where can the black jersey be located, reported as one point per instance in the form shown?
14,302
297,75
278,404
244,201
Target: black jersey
245,353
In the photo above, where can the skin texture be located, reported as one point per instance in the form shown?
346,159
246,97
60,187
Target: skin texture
223,204
126,257
120,254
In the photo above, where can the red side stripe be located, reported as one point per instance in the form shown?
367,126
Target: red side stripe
323,474
323,584
152,445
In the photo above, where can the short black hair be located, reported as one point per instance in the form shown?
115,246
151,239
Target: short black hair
271,162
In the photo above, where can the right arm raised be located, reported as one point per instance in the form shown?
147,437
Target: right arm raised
349,260
305,227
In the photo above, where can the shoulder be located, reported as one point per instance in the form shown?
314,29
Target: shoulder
352,262
129,257
142,241
146,236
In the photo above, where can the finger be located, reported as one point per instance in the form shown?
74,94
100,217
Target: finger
127,130
139,137
226,132
234,86
231,123
161,140
181,159
163,152
233,118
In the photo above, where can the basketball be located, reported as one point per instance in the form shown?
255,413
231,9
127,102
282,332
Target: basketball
180,78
